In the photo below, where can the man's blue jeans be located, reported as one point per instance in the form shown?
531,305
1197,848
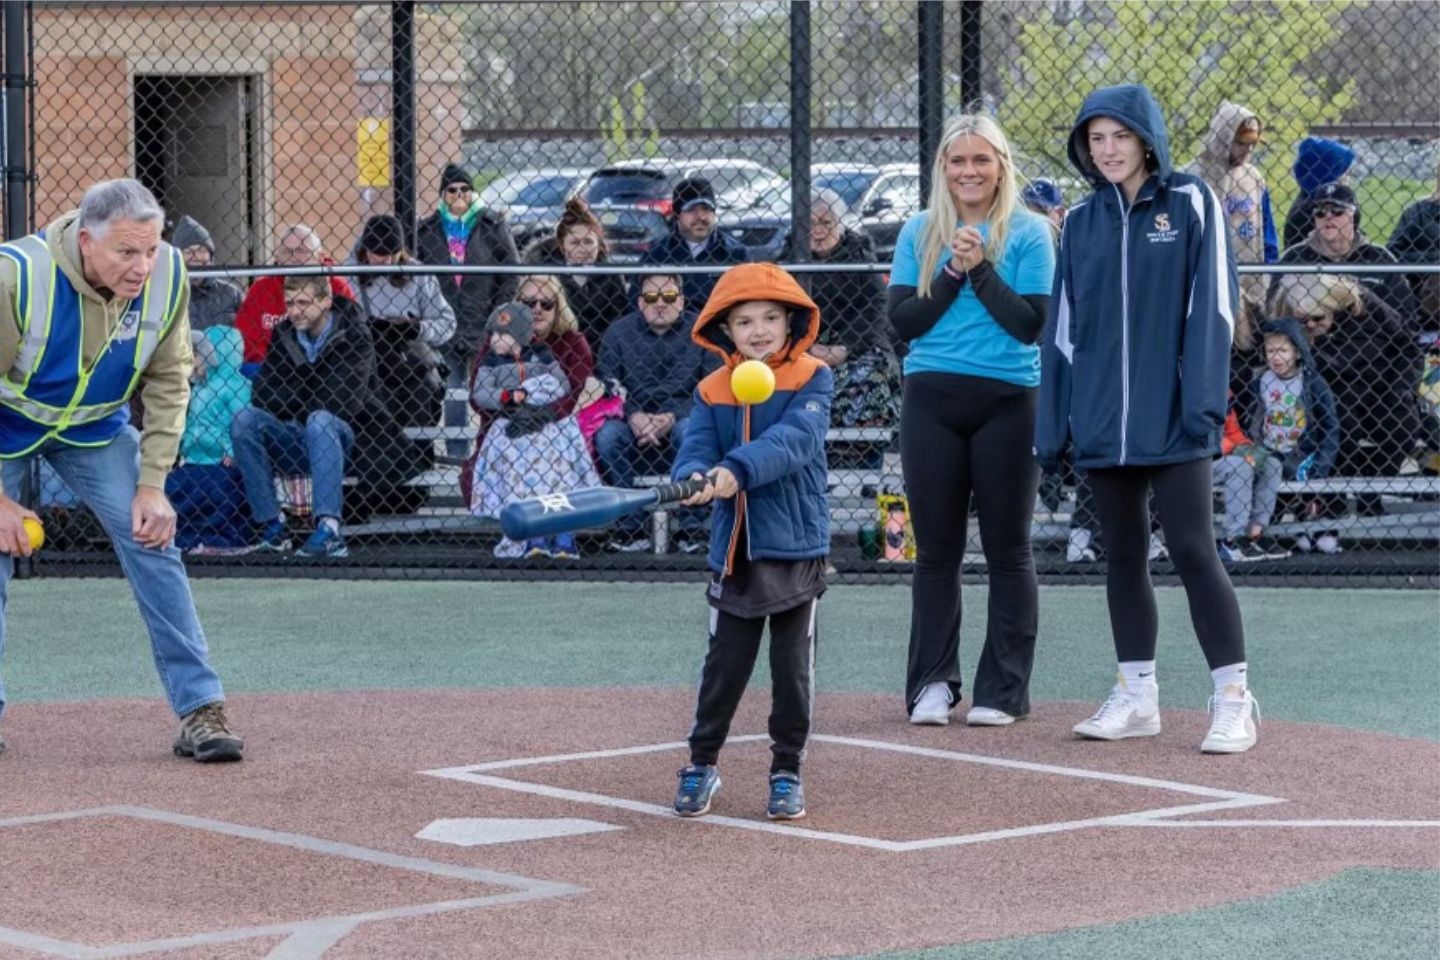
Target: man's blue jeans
265,445
104,478
621,458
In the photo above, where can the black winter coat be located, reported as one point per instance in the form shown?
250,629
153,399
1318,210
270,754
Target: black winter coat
596,303
852,305
476,295
344,382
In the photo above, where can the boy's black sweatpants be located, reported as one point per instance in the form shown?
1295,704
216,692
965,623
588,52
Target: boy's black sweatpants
734,646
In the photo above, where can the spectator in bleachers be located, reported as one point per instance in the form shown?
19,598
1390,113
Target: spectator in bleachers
1337,238
264,305
462,231
1283,426
1224,163
1417,240
1044,196
854,337
1317,162
206,488
410,319
554,328
213,301
1371,363
579,241
527,449
693,240
317,411
650,355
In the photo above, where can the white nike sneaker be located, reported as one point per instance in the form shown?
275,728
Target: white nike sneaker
933,707
1125,713
988,717
1234,716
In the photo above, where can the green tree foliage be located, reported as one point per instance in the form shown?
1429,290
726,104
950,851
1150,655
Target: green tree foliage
1192,56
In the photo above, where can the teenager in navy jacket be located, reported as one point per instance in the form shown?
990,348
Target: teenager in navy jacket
1135,372
770,529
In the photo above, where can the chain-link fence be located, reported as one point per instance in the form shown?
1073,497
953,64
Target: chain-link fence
600,163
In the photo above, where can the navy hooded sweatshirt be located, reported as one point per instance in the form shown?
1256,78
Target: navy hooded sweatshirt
1136,357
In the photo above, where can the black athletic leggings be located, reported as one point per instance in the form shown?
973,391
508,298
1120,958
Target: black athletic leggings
961,435
1183,498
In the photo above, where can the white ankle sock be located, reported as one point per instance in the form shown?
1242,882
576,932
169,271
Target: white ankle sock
1234,673
1136,672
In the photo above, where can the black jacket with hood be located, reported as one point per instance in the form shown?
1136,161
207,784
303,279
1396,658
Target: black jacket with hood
1135,358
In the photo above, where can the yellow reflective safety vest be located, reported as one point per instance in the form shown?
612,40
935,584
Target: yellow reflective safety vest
49,392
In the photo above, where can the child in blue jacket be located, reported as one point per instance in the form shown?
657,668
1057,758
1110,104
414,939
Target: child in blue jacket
770,526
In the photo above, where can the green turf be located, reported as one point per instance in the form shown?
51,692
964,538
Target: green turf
1358,915
1311,652
1366,659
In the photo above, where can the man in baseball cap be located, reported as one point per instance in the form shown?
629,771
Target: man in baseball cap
693,239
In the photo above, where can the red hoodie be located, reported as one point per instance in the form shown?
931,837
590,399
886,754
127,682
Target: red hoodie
264,307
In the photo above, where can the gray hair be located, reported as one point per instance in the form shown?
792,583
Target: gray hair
306,233
830,200
112,200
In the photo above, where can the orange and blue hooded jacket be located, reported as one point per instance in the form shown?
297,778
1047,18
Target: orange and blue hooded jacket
775,449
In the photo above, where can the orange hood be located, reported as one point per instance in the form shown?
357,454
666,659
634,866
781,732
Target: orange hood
757,281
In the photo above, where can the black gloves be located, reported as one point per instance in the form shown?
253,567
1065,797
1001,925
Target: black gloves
527,420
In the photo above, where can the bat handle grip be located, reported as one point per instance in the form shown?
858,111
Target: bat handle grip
684,490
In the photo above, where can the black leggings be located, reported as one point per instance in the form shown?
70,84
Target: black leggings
1183,498
961,435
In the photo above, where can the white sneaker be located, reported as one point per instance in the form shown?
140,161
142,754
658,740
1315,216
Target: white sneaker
1232,726
1125,713
933,707
988,717
1078,549
1328,543
1158,550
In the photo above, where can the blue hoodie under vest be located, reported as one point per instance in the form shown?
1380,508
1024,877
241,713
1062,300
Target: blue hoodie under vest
1136,356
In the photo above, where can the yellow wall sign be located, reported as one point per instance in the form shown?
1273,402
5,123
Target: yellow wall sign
372,152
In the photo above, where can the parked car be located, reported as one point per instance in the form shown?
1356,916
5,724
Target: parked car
533,200
882,197
649,183
630,231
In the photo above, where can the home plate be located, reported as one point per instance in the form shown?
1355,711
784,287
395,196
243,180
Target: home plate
479,832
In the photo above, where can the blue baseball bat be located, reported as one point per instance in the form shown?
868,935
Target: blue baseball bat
566,511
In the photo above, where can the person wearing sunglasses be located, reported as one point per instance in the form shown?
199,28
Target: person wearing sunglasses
650,356
694,241
1336,237
463,232
579,241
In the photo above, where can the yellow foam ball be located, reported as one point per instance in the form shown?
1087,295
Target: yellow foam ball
752,382
35,531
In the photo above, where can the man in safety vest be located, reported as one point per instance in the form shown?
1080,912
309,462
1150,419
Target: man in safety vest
93,309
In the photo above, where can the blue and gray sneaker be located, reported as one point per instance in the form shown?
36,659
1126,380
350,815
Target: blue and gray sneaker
563,547
698,785
274,538
787,796
325,544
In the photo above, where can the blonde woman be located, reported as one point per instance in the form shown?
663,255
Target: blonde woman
969,293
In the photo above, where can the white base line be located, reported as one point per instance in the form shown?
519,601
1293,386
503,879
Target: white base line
1223,800
1296,824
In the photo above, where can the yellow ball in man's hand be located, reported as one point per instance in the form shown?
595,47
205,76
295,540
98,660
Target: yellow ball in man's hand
35,532
752,382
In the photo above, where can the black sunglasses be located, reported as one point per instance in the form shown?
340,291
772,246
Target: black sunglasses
539,304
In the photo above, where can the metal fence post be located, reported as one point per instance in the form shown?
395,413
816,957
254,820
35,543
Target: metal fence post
402,113
931,90
16,109
800,85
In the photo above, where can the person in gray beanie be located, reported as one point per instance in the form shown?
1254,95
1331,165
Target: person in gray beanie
213,301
